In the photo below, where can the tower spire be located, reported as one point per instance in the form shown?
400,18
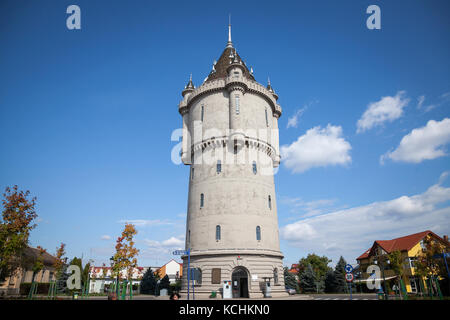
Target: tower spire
229,43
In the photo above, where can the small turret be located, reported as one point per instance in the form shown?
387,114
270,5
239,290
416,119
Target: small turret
189,87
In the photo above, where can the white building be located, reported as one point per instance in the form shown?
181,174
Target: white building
100,278
230,141
172,269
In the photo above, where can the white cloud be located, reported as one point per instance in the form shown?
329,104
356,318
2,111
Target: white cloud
145,223
309,208
420,101
173,242
386,109
425,143
106,237
317,148
351,231
293,121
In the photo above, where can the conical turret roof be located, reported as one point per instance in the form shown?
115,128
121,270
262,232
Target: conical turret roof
223,63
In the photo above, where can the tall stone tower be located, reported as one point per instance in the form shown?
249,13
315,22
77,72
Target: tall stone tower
230,141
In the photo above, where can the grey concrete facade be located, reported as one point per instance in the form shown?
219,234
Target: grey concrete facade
230,142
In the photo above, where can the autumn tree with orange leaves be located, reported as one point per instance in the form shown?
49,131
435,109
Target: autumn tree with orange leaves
125,257
15,227
60,261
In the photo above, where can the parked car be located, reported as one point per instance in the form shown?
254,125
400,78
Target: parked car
290,291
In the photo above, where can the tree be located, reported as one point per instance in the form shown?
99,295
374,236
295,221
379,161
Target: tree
60,261
319,266
396,264
426,265
289,279
15,227
148,282
84,270
308,279
331,283
125,256
339,275
39,262
164,283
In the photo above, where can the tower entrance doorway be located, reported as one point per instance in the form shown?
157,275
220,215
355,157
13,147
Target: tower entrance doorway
239,279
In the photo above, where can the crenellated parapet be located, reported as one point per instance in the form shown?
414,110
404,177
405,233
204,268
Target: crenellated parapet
243,84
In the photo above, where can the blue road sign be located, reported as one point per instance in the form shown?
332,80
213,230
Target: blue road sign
348,268
180,252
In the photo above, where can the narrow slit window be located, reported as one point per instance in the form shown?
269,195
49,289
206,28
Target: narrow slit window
267,119
217,233
219,166
270,202
258,233
189,237
202,113
202,200
255,169
237,103
192,174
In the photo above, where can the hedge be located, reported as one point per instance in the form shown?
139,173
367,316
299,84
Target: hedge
42,288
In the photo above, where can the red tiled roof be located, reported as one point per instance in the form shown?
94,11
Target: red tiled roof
402,244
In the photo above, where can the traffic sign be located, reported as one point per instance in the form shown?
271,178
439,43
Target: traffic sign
348,268
349,277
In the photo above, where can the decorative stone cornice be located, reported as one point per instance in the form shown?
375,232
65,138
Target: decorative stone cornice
236,251
249,142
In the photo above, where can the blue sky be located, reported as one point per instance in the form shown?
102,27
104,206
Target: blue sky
86,117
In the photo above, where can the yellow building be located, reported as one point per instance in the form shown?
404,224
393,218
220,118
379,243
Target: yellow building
411,247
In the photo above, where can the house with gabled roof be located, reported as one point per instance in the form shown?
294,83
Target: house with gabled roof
411,247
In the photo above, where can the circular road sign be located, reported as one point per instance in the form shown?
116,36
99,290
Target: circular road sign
349,277
348,268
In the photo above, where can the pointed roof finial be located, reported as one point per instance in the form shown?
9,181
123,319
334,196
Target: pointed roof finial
269,87
229,43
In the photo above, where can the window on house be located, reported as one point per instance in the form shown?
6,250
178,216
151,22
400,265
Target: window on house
258,233
219,166
217,233
270,202
237,103
202,200
202,112
422,244
267,119
254,167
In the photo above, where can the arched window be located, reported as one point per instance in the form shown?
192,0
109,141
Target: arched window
219,166
258,233
196,275
270,202
255,170
202,200
275,276
217,233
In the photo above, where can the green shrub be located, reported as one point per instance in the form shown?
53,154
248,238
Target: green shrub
42,288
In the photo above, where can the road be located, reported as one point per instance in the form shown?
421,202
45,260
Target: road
357,296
